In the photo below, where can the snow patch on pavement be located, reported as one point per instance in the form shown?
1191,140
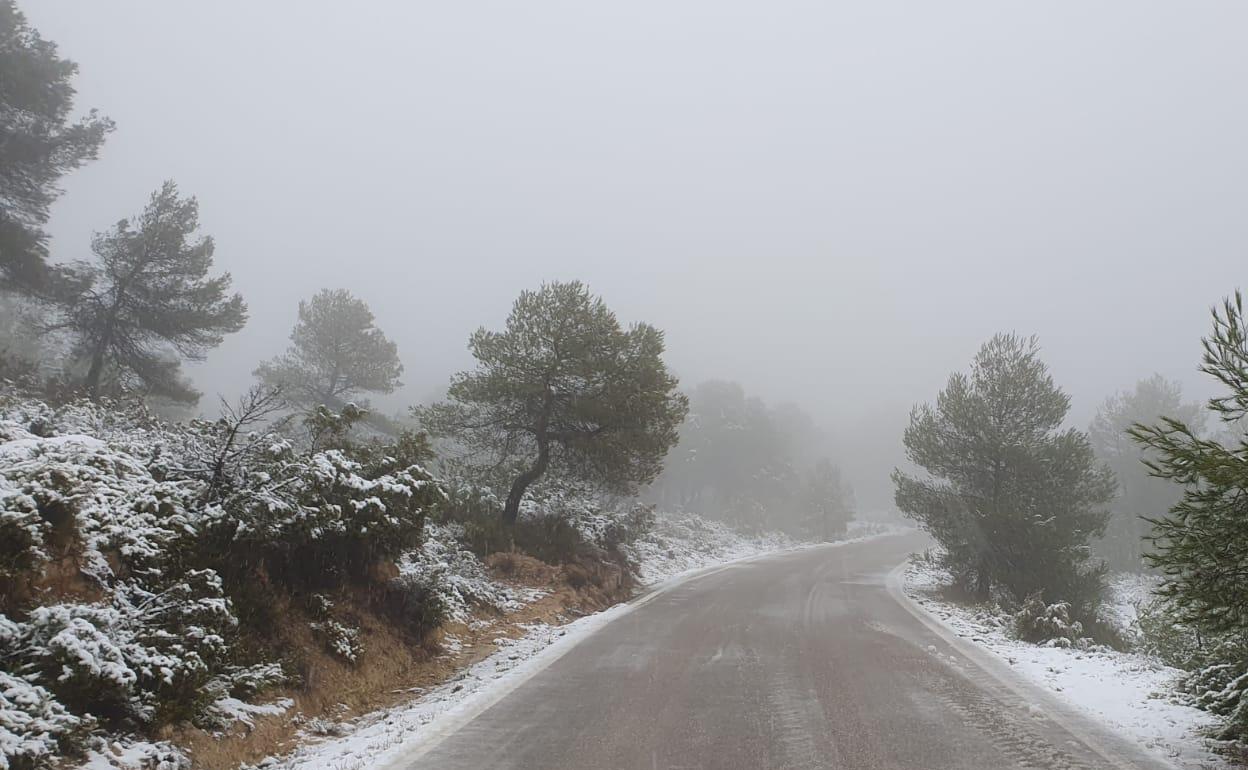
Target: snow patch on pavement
1126,691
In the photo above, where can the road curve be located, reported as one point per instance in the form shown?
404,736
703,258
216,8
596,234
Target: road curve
801,660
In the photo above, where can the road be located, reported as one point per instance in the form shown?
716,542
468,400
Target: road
802,660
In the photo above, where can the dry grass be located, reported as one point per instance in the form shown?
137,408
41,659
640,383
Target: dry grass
394,666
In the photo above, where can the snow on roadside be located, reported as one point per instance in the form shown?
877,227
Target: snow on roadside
682,543
1126,691
458,577
377,739
677,548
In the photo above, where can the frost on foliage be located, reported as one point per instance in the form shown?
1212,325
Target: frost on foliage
104,492
134,755
229,692
595,521
224,712
453,574
136,504
1049,624
329,508
1219,684
34,727
341,640
136,655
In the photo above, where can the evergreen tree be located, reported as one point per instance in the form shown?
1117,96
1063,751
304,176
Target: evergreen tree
742,461
1141,496
336,353
1201,546
38,145
732,461
563,386
1012,499
827,502
149,302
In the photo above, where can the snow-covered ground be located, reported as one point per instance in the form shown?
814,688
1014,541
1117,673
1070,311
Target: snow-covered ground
1125,691
680,543
678,548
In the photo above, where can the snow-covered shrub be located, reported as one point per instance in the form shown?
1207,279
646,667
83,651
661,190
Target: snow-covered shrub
1219,686
561,521
247,681
341,640
319,518
133,754
680,541
1049,624
23,533
415,603
34,727
140,661
78,493
443,578
1161,633
173,528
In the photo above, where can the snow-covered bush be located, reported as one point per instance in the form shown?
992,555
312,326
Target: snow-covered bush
1219,685
142,660
676,542
1161,633
34,727
444,569
341,640
322,517
157,532
559,520
1049,624
596,521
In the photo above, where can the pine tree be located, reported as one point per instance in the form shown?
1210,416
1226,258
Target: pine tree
732,461
1012,499
828,503
38,145
1141,496
336,353
1201,546
150,302
563,386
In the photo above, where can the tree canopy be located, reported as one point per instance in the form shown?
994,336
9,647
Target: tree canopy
149,301
39,143
564,387
752,465
336,353
1011,498
1201,546
1141,496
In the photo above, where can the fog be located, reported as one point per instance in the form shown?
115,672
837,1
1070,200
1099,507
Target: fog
832,203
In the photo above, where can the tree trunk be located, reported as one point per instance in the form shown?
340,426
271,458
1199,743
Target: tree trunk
94,373
983,586
511,511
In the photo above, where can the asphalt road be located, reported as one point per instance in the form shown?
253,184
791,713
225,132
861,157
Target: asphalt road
803,660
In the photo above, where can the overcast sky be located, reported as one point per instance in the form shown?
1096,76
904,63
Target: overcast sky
834,203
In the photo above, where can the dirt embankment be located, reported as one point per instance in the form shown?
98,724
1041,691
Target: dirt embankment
395,667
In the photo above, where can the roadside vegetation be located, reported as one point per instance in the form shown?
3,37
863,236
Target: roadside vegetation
180,590
175,573
1030,517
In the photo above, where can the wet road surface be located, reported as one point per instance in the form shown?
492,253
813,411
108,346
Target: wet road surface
803,660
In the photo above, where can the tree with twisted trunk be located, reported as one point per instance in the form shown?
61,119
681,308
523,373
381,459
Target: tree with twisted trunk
564,388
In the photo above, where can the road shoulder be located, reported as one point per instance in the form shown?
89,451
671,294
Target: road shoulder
1163,735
